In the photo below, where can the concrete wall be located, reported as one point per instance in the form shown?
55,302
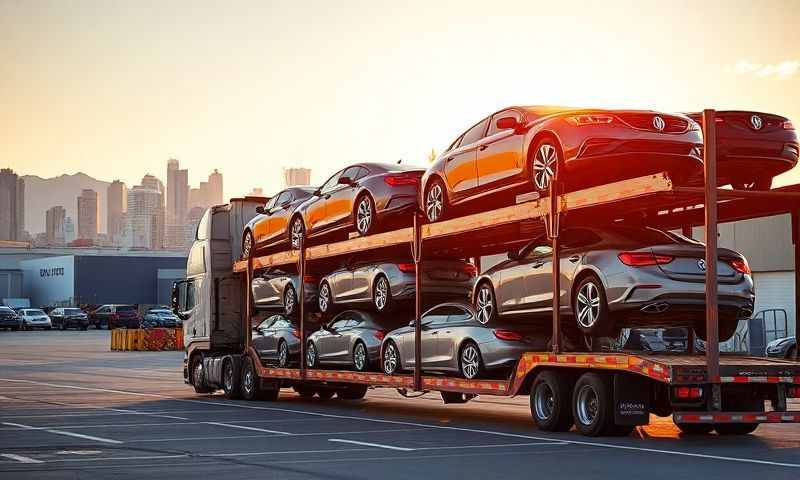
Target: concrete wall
49,281
101,280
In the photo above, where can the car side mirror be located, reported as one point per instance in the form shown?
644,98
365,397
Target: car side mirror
506,123
345,181
317,192
513,255
260,209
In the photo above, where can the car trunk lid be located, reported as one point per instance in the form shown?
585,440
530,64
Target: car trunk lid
688,263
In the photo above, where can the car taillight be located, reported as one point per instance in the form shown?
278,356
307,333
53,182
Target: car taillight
407,267
686,393
580,120
787,125
741,266
310,279
642,259
379,334
793,392
401,179
507,335
470,270
296,333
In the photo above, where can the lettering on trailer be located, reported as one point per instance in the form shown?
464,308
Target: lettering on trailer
51,272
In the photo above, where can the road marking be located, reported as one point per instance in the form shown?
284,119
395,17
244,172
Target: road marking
367,444
20,458
533,444
244,427
63,432
234,437
136,412
289,452
230,404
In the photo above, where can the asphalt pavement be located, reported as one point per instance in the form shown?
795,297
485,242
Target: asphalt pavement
70,408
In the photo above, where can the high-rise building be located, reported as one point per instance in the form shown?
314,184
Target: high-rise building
145,218
88,210
256,192
153,183
117,204
12,206
54,225
215,188
293,177
177,193
69,230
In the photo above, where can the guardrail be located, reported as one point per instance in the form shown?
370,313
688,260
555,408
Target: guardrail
150,339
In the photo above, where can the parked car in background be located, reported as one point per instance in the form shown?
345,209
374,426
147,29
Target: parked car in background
34,318
160,318
366,198
381,284
352,339
9,318
782,348
518,149
113,316
63,318
453,341
270,228
277,341
615,277
752,147
276,289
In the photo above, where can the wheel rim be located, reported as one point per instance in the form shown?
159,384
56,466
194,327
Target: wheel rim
283,355
390,359
381,293
297,233
544,164
228,376
288,301
247,381
360,357
485,305
470,361
434,203
248,245
364,216
311,355
544,401
198,371
588,305
588,405
323,297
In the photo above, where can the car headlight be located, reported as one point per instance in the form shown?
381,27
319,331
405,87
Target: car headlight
694,126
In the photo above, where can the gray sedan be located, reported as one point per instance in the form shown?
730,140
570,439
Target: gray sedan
352,339
782,348
615,277
381,284
277,341
275,289
453,341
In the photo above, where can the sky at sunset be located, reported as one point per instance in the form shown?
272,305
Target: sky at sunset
115,88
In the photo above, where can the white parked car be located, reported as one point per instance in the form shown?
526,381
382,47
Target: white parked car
34,318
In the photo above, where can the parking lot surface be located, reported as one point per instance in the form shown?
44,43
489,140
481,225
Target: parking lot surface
70,408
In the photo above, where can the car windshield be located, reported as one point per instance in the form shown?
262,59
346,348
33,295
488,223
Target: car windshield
649,236
72,311
164,313
125,308
34,311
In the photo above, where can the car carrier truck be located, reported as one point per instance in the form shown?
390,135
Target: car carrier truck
601,393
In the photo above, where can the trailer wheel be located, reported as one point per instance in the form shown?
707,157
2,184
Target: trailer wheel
249,380
352,392
593,405
550,402
197,373
305,391
695,428
735,428
326,393
230,380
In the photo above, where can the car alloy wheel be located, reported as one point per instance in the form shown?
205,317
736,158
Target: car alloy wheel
364,215
247,245
544,165
390,359
434,202
381,296
289,300
283,355
470,361
485,304
587,404
324,297
297,233
588,302
311,356
360,357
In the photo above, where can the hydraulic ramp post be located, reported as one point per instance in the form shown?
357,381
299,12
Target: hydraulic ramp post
712,306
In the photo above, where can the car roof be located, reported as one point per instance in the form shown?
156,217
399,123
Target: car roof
387,167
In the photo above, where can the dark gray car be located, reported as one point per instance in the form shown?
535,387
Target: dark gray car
9,318
352,339
381,284
615,277
453,341
277,341
275,289
64,318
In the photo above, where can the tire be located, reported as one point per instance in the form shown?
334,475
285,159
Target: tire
545,157
250,384
48,328
382,294
352,392
695,428
305,391
435,201
364,216
390,359
360,357
593,405
485,304
312,358
248,244
550,402
726,329
591,307
289,300
326,393
231,380
297,232
470,363
283,354
84,327
15,328
325,298
63,326
197,375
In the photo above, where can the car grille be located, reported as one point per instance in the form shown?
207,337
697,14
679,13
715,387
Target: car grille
644,121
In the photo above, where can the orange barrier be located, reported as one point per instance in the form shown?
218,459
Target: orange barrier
151,339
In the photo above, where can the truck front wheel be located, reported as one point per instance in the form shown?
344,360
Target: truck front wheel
197,373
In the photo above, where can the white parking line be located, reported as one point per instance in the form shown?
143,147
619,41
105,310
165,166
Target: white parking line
367,444
400,422
244,427
234,437
63,432
20,458
499,445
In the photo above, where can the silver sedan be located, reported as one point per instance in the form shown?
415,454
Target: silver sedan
453,341
275,289
381,284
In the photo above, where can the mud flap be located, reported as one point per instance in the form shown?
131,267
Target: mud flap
631,399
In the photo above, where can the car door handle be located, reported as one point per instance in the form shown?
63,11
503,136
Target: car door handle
483,147
537,264
574,258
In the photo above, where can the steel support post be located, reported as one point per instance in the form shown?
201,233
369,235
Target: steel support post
301,277
416,247
712,306
553,230
796,242
248,306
